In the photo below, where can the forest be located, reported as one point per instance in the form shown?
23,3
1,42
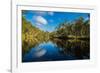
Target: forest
78,29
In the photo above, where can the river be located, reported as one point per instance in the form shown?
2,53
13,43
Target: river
58,50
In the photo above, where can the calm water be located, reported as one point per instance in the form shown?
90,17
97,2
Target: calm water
57,50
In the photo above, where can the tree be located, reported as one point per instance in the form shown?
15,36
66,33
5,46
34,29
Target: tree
77,26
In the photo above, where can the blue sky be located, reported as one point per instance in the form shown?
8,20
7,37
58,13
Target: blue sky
48,21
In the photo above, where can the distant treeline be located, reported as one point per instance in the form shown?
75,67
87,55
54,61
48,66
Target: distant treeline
79,28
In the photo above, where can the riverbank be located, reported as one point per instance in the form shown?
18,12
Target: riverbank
72,37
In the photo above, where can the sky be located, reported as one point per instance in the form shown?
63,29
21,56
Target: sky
49,20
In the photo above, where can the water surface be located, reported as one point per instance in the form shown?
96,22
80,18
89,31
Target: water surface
57,50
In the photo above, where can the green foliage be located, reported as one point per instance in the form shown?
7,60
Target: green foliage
31,36
77,28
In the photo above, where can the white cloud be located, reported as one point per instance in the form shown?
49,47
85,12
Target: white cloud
51,13
40,20
40,13
37,23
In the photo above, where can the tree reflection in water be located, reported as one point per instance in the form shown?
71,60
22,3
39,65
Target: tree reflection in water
80,49
70,49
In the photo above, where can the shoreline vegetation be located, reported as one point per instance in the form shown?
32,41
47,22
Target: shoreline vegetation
76,30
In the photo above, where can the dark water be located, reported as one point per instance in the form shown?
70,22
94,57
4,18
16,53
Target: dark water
57,50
